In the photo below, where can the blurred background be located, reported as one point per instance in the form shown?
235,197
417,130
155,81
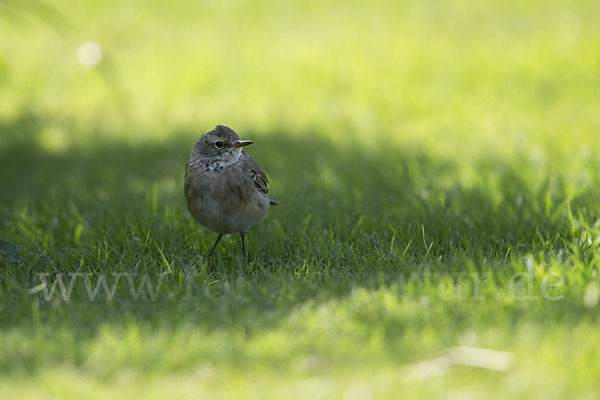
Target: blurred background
462,83
452,76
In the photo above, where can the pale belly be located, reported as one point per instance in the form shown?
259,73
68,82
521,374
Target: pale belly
225,206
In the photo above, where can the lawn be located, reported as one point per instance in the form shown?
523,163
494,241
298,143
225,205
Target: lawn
437,165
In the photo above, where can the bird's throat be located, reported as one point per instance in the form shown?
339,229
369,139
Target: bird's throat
221,161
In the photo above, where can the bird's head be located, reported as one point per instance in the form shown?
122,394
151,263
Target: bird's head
221,144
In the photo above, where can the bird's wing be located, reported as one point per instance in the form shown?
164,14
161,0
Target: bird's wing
254,172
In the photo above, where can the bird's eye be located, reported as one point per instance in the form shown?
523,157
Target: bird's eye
219,145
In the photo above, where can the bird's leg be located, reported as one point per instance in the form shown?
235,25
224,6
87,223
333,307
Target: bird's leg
244,246
212,250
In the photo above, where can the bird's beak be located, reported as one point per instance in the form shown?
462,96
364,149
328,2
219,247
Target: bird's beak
241,143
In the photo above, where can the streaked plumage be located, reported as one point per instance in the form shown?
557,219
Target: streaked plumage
225,189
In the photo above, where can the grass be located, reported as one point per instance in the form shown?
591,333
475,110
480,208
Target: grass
438,172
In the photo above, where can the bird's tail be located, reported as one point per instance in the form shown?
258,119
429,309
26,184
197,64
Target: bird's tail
273,202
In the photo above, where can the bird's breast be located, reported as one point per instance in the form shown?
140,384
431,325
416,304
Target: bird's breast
224,199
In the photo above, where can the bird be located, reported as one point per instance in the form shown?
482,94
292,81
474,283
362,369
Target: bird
225,189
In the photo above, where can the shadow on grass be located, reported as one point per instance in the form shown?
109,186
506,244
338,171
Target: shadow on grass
337,189
350,217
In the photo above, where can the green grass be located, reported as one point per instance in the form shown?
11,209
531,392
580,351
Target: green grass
438,172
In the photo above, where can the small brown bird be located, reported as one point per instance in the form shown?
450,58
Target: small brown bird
225,189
